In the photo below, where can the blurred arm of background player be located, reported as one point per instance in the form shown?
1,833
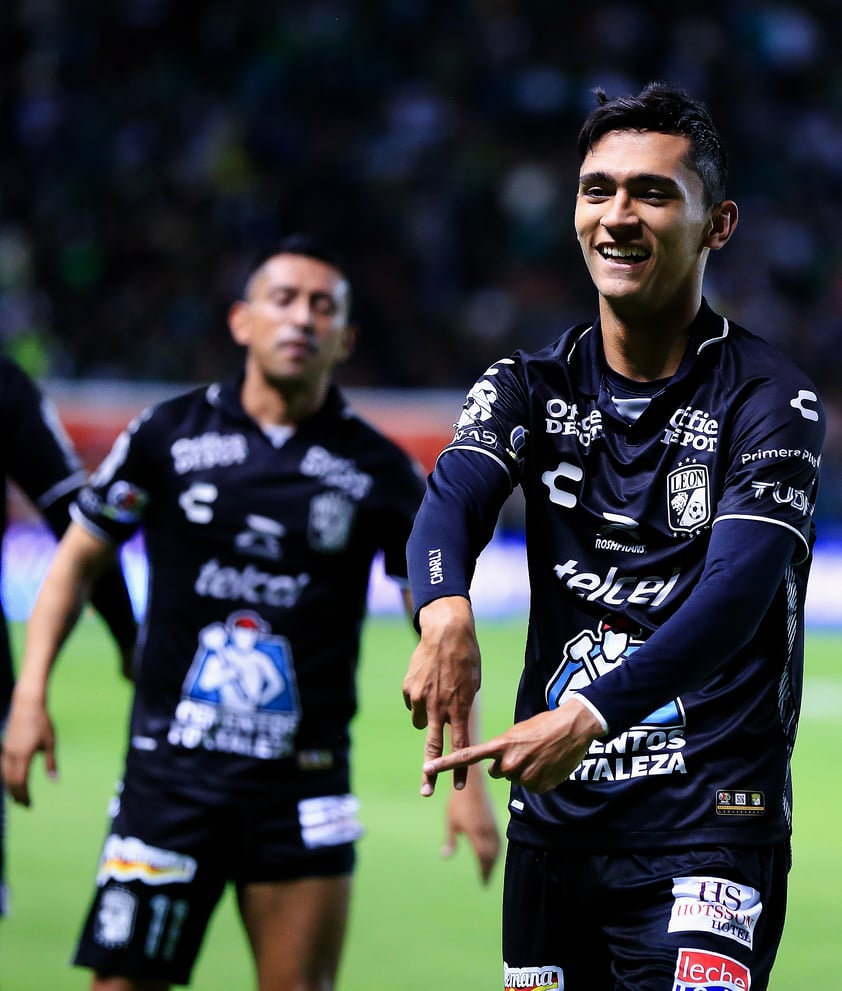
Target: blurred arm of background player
41,460
469,809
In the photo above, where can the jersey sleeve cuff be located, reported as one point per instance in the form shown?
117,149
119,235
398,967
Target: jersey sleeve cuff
593,710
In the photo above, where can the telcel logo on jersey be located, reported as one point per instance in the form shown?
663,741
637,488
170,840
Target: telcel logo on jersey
699,970
694,428
549,978
614,591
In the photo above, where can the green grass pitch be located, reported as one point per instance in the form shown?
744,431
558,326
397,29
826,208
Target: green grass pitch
417,921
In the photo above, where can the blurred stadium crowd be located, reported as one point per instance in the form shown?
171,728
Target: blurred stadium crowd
151,146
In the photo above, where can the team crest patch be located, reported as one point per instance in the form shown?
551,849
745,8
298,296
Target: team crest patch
329,527
688,498
114,921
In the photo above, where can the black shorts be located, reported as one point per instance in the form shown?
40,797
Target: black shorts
639,921
173,847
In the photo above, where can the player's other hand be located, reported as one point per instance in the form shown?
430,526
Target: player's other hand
29,731
537,753
443,678
471,814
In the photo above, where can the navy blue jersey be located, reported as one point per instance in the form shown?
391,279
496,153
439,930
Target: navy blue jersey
37,455
624,522
259,559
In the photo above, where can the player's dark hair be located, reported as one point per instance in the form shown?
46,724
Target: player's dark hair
665,109
298,243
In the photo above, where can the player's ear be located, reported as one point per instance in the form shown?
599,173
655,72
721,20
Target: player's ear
349,341
239,322
722,224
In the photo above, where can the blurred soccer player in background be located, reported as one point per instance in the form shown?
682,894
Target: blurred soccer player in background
37,454
263,501
668,460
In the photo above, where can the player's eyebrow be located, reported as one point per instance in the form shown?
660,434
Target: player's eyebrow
638,179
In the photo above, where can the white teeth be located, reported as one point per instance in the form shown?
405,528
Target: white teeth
615,251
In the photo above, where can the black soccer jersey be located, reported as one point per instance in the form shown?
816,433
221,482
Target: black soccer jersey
629,533
36,453
259,559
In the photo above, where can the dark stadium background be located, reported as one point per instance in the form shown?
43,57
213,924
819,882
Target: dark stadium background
149,147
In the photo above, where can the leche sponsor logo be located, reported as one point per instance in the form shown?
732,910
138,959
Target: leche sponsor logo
715,905
700,970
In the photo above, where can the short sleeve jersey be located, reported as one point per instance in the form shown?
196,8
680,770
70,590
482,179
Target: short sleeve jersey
259,559
618,521
36,453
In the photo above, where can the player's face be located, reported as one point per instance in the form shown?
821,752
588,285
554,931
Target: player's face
642,222
294,321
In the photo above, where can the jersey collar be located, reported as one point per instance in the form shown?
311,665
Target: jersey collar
707,331
225,395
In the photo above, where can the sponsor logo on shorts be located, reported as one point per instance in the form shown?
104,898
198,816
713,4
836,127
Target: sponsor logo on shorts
700,970
329,820
715,905
126,858
115,918
547,978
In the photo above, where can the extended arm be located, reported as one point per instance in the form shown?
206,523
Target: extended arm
108,594
744,568
455,521
78,561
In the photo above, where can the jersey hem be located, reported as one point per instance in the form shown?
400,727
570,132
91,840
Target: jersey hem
602,840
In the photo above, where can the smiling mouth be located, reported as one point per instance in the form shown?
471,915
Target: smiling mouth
622,253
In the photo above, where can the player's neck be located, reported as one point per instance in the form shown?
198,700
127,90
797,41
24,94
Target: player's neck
273,404
644,347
